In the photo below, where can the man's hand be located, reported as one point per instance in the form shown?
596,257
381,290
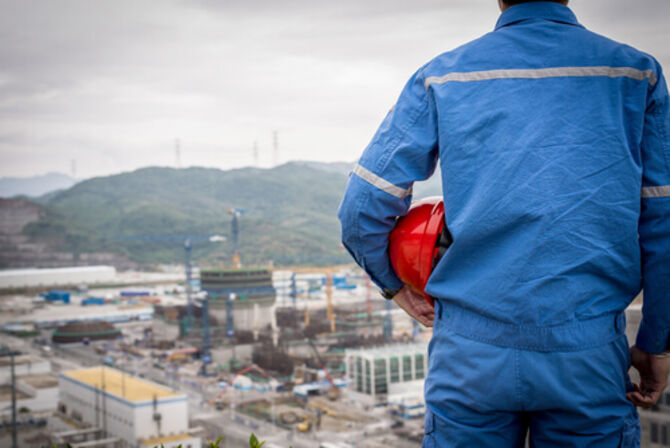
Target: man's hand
654,373
415,305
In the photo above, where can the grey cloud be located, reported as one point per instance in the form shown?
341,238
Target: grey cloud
112,83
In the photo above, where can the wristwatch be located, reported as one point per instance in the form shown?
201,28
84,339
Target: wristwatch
389,294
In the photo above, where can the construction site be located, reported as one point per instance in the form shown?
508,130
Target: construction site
300,357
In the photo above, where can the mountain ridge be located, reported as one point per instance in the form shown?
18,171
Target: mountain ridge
289,214
35,186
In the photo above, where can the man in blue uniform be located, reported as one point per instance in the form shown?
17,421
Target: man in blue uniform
554,146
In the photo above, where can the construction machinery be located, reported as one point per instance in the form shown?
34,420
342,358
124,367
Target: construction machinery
235,233
334,391
188,242
188,267
326,410
250,368
330,311
205,354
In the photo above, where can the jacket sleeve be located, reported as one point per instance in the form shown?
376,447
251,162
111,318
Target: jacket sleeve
403,150
654,226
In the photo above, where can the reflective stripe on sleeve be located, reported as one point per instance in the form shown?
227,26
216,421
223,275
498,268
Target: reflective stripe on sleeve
656,192
380,183
541,73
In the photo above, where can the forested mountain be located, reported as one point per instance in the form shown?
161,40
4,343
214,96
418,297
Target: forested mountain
289,214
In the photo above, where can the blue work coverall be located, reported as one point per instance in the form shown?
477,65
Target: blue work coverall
554,147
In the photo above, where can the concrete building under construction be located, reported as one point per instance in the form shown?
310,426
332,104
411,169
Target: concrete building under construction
85,331
247,295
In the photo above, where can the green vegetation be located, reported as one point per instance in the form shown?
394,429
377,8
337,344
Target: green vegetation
254,443
290,215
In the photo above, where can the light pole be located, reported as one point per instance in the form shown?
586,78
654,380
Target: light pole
6,351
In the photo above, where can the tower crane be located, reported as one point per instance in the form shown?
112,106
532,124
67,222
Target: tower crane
188,242
205,351
235,233
330,311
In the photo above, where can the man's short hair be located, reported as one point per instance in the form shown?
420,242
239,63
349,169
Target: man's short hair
518,2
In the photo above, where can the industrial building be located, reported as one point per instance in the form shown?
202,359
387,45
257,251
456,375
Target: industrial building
246,296
373,371
23,365
56,315
45,278
36,387
85,331
34,393
137,412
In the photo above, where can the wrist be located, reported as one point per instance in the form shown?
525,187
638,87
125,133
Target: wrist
662,355
389,294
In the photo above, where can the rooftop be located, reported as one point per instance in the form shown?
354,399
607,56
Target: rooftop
389,350
40,381
166,439
6,394
120,384
68,270
20,360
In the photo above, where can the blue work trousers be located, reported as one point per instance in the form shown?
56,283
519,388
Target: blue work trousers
492,384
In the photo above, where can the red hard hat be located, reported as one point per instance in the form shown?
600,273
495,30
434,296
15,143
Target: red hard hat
413,244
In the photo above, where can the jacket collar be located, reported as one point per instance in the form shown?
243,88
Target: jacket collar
552,11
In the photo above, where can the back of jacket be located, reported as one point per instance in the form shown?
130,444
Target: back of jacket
553,146
542,177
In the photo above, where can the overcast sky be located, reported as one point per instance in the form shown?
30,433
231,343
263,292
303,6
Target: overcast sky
113,83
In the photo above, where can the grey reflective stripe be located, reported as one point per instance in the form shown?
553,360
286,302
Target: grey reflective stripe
380,183
541,73
656,192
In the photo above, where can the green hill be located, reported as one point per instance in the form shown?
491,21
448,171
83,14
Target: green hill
290,214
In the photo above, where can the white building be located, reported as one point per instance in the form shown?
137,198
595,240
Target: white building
36,388
46,278
34,394
140,413
373,371
23,365
57,314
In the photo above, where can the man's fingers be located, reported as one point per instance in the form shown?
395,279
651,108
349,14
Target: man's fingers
640,400
645,400
427,319
416,306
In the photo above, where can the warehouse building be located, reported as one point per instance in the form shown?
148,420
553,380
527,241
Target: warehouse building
137,412
46,278
373,372
52,316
